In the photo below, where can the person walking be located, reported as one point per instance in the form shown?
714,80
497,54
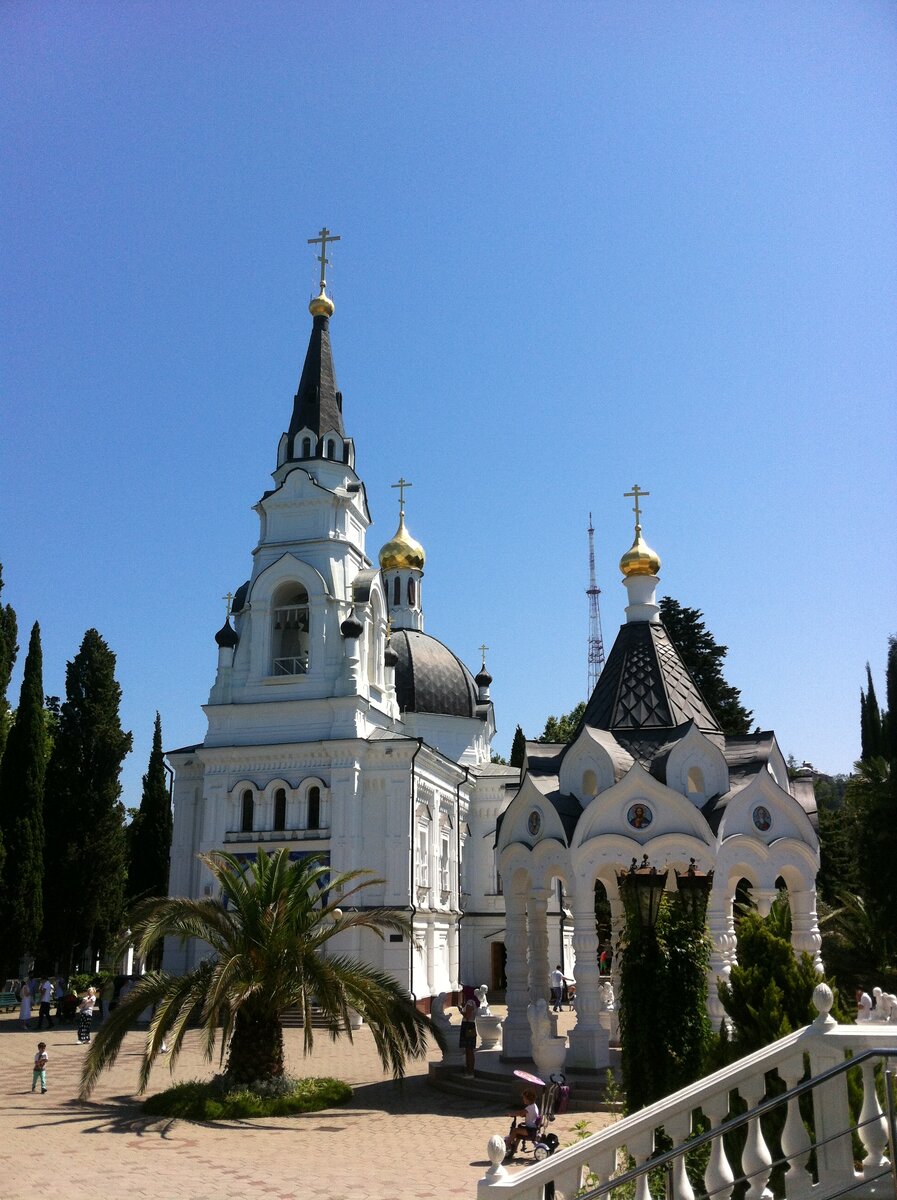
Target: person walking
558,979
25,1004
85,1015
46,999
39,1074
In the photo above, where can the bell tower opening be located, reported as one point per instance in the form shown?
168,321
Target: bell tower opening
290,631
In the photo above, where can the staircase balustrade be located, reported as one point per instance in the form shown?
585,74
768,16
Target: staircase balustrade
814,1060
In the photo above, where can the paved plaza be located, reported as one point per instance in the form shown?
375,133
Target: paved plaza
391,1142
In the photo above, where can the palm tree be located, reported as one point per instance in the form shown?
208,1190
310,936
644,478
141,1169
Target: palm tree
267,932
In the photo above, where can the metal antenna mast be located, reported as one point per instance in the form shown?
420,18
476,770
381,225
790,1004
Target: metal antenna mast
596,642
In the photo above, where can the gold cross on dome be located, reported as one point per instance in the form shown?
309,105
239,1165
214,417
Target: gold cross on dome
401,485
637,493
321,240
483,650
228,600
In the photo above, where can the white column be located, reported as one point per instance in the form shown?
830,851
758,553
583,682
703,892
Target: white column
516,1032
718,913
805,935
588,1038
539,963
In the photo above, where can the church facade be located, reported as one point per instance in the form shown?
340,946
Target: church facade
337,727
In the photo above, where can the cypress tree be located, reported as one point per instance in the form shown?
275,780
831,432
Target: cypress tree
703,656
21,810
8,650
871,740
889,720
86,862
518,748
149,834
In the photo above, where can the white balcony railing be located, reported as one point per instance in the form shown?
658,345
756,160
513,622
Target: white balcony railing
590,1166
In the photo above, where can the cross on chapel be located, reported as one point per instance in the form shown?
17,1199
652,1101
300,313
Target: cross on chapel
401,485
636,493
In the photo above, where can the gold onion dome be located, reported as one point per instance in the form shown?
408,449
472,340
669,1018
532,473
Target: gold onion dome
402,552
321,306
640,559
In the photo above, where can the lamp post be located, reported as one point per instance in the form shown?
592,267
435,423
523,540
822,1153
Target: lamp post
694,889
644,886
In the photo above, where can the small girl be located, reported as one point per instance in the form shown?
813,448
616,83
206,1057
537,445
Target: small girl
40,1067
529,1130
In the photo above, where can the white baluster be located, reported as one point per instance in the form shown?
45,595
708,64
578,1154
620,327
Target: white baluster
795,1138
679,1127
568,1182
873,1129
641,1148
718,1177
756,1161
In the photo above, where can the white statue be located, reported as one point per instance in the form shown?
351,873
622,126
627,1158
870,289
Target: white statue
607,999
442,1021
549,1051
484,1009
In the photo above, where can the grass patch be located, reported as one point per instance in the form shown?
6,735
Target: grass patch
217,1100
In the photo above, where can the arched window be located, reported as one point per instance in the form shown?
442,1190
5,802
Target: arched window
290,640
397,591
314,808
306,447
247,812
412,593
695,781
280,809
589,783
328,453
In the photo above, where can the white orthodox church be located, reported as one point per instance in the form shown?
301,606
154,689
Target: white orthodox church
338,728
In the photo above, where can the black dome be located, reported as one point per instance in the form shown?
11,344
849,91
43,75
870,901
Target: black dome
430,678
226,636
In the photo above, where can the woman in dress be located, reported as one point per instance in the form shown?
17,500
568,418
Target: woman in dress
468,1036
85,1014
25,1009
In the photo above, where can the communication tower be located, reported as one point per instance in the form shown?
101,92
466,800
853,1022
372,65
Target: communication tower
596,642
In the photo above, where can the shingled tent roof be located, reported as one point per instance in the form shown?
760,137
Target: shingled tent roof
317,404
645,687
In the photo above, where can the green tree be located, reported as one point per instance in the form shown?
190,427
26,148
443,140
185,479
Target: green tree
669,961
704,657
268,933
86,860
21,811
871,800
770,992
871,732
518,748
9,648
149,834
889,722
562,728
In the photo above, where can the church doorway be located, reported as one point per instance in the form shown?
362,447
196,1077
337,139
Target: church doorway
499,960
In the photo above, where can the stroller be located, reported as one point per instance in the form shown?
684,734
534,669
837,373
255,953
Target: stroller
555,1099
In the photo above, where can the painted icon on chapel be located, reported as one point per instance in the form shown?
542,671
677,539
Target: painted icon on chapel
639,816
762,818
534,823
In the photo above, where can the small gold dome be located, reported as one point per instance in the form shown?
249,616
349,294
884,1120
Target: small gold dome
639,559
402,552
321,306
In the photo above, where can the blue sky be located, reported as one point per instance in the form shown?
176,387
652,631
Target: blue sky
583,245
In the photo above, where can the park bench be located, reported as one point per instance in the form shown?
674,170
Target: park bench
8,1000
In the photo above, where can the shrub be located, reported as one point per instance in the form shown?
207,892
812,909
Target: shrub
218,1099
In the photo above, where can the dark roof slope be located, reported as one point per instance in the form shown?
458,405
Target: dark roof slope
317,405
645,687
430,678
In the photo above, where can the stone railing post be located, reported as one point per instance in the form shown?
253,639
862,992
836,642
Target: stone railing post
831,1111
515,1030
588,1038
539,965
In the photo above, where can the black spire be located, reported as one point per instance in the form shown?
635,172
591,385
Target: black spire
317,405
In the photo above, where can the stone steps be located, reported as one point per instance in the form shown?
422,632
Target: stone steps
588,1093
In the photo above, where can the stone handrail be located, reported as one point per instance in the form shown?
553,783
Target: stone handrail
825,1043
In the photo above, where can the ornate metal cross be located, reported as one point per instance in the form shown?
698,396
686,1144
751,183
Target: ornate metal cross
321,240
483,650
228,600
637,493
401,485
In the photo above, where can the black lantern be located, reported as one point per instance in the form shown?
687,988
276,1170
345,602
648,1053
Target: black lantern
646,884
694,888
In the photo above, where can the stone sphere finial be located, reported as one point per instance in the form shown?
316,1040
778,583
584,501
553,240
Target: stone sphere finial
823,999
496,1149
